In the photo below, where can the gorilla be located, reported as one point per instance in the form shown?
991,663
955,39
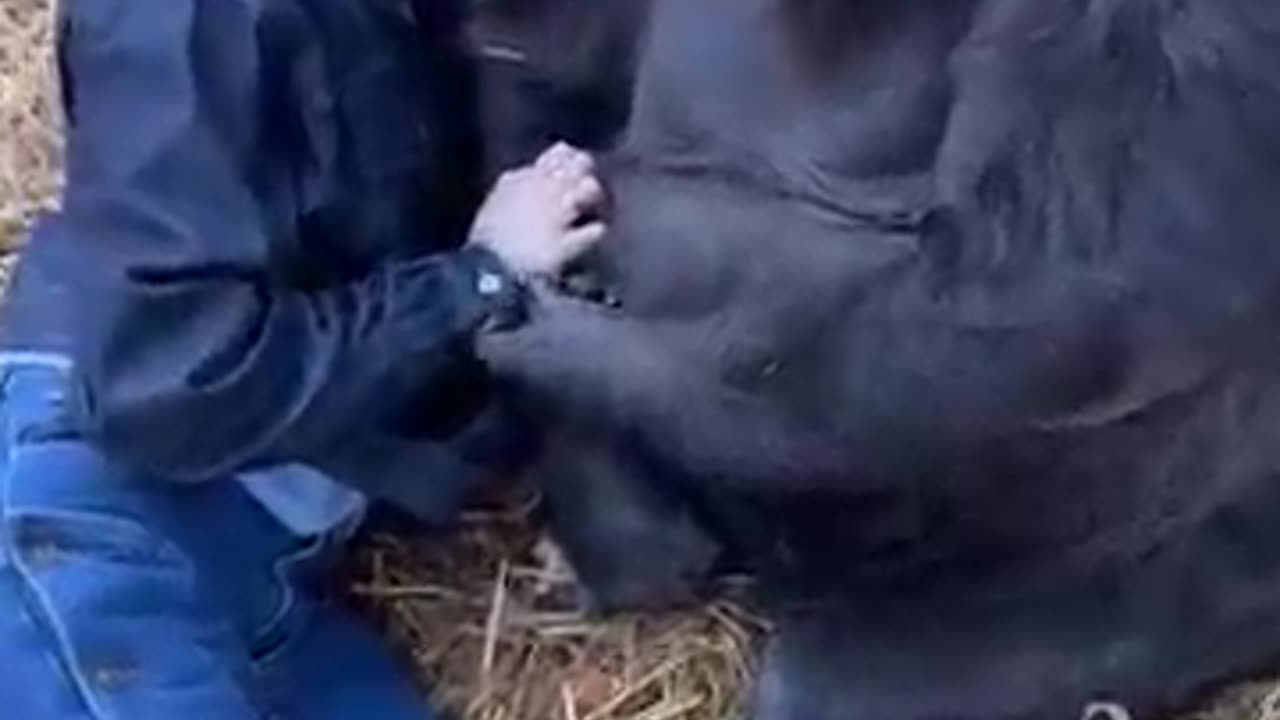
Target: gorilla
949,321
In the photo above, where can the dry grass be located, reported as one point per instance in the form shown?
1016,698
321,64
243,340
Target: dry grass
490,617
488,614
29,137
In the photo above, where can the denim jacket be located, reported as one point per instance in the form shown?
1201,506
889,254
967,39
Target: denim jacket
256,258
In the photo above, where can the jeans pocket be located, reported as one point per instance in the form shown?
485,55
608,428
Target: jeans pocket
121,607
298,575
293,609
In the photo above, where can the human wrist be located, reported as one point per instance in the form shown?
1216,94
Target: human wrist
499,287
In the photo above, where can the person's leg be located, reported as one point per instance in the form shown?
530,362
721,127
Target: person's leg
102,614
32,683
313,659
132,598
338,668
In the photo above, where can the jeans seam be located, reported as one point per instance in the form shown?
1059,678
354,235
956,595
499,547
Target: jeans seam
31,623
289,594
13,359
66,653
125,524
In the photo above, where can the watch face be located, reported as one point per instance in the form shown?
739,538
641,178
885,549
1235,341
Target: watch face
490,284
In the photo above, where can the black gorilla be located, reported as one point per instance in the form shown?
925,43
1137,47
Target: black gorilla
951,320
554,70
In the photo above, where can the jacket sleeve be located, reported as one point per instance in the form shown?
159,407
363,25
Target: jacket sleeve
196,359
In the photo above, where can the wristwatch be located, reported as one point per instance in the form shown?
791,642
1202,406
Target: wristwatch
504,293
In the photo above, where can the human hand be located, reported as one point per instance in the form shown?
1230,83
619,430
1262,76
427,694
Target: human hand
532,217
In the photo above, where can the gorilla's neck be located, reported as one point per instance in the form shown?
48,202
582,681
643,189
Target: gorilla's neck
824,34
825,30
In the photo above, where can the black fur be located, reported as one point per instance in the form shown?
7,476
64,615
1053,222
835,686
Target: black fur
554,70
947,331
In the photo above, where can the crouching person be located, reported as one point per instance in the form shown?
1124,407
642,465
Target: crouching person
251,318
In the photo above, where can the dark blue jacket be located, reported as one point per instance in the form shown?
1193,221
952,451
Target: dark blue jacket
256,257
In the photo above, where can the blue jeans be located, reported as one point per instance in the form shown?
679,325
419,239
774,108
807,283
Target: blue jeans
127,597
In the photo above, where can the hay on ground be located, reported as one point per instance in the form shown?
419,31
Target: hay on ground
490,617
487,614
30,144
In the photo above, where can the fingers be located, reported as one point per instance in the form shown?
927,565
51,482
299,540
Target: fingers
574,171
553,156
581,239
584,195
549,202
563,161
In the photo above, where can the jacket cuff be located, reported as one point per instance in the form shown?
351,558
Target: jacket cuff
490,284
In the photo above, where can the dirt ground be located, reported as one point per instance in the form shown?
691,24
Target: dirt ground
487,615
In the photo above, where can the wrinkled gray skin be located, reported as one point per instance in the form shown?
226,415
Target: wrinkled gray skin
949,319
